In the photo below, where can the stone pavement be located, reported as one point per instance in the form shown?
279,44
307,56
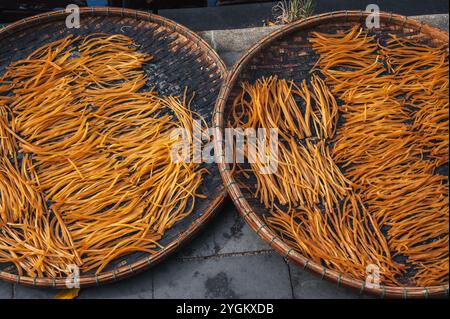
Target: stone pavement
227,259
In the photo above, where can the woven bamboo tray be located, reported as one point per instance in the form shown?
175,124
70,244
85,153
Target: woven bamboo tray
181,58
287,54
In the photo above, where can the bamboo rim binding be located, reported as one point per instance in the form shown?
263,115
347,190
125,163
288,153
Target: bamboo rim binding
255,221
86,170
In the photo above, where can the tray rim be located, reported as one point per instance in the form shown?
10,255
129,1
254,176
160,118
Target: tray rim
119,273
245,209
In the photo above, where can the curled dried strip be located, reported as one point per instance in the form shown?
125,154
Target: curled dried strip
8,142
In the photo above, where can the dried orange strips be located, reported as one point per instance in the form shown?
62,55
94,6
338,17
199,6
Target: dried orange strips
273,103
346,239
307,189
85,157
393,140
421,72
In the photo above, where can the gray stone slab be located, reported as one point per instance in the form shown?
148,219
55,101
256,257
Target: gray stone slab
5,290
437,20
235,39
139,286
203,243
247,276
23,292
308,286
230,58
233,235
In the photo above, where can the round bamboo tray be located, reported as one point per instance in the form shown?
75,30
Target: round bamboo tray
181,58
287,54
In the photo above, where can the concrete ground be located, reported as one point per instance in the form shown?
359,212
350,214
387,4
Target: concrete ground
227,260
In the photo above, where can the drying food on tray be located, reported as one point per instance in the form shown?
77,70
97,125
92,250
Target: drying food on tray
363,144
86,173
